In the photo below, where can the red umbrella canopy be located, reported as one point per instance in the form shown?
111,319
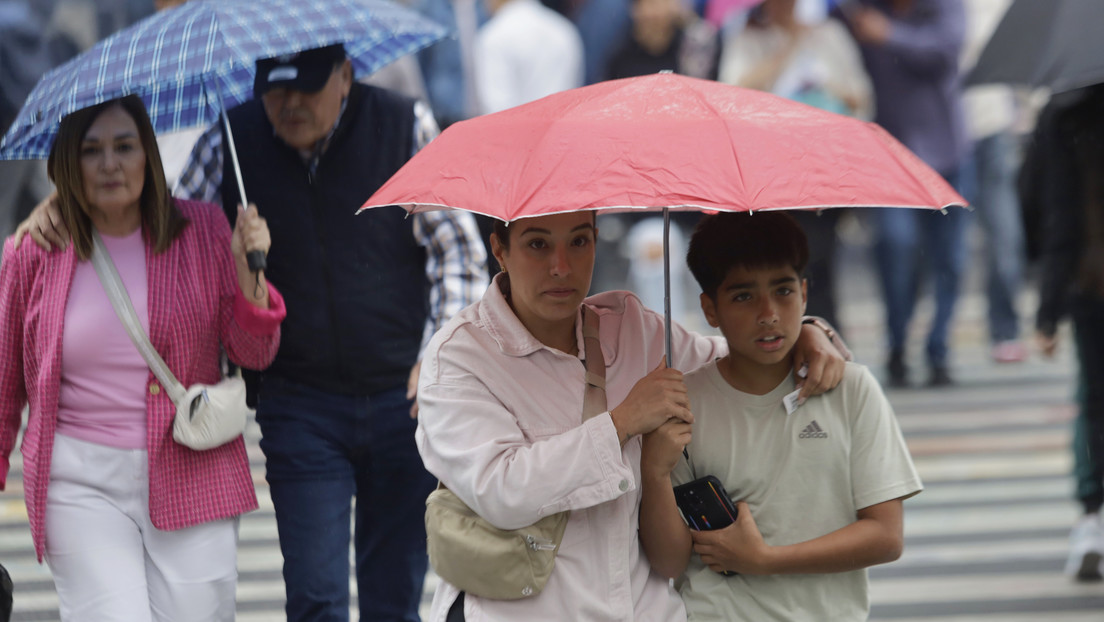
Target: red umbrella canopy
662,140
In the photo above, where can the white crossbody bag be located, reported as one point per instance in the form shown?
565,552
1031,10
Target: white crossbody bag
207,416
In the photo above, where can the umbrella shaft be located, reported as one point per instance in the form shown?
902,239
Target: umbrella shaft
667,285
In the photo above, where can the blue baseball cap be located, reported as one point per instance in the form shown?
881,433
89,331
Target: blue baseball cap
305,71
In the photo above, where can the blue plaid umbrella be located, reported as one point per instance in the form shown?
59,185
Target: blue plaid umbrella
181,61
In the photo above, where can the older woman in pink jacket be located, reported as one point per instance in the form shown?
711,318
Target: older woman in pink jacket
501,423
133,525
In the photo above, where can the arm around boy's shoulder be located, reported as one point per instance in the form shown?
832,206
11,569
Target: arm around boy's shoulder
832,335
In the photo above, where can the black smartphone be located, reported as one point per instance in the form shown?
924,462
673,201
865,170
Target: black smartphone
705,504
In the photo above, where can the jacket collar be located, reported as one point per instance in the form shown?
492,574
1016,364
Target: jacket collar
503,325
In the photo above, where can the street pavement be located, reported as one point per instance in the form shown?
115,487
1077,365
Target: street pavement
985,542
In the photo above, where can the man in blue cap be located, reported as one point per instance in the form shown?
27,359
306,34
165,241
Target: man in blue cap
364,294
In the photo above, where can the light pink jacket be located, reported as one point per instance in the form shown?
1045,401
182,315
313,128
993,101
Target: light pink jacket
194,305
500,424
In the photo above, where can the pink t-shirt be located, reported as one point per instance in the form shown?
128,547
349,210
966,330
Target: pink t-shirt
103,376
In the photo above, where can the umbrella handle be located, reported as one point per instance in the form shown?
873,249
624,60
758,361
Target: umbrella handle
256,261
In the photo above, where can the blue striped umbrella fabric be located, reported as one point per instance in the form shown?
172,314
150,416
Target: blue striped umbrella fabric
180,60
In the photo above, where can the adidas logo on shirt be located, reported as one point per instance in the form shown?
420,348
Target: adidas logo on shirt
813,430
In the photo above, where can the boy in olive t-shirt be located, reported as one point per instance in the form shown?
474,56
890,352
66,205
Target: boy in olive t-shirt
818,486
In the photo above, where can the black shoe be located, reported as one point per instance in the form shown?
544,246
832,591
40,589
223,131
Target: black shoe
940,378
898,373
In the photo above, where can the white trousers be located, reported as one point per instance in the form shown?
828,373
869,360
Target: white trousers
110,563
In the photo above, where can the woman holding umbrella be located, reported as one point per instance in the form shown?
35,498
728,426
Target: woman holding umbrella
501,397
133,525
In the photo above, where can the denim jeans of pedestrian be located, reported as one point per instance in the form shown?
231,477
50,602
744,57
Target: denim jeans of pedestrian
1088,328
1087,484
997,204
912,242
321,451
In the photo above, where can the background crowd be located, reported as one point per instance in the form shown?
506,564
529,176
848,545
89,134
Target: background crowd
826,53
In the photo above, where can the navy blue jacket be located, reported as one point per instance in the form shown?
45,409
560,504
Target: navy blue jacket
354,285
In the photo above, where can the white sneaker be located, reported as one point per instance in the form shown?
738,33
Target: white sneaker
1086,549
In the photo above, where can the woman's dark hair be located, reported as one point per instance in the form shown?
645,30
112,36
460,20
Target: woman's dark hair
729,240
161,220
502,230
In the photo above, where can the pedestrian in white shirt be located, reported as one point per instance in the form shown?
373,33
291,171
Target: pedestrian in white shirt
524,52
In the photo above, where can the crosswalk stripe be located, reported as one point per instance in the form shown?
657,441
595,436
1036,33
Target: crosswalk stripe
981,467
995,616
987,539
1017,587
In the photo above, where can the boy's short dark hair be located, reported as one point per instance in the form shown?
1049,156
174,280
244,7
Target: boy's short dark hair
728,240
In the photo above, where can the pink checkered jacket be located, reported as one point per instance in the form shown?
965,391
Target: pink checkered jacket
194,305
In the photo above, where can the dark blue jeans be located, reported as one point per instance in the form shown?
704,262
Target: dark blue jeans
1088,330
998,211
911,241
321,450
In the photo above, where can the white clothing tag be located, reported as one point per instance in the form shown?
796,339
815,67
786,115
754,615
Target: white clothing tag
790,401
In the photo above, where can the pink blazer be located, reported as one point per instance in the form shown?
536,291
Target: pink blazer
195,305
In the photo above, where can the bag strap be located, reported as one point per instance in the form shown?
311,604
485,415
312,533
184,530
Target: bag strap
120,300
594,398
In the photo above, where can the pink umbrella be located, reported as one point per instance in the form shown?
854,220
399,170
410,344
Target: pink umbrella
662,141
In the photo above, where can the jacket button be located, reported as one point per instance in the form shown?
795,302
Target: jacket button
154,388
624,485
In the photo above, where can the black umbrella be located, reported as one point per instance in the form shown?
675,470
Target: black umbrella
1052,43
